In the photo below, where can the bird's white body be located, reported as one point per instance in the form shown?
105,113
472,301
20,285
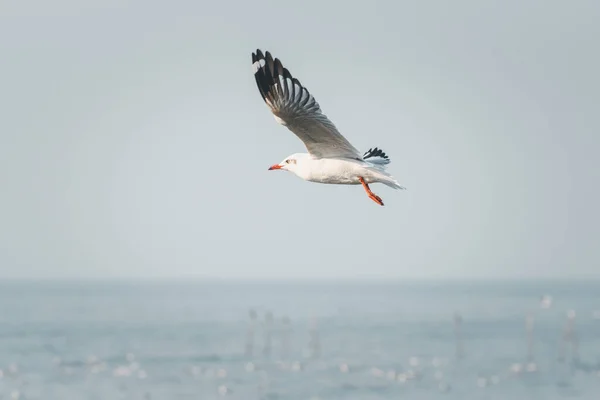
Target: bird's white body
337,171
331,158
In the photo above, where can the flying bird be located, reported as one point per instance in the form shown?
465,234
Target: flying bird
331,159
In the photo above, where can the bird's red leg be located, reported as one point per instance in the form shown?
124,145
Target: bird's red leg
372,195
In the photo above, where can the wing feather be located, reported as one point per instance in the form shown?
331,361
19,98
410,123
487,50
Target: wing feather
295,107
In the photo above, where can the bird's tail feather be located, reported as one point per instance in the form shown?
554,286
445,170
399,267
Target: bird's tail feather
387,179
394,184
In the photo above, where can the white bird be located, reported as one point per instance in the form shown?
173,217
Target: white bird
331,158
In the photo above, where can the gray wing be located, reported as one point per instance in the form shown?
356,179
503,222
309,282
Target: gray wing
294,107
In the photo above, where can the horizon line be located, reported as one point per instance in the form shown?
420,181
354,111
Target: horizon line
343,280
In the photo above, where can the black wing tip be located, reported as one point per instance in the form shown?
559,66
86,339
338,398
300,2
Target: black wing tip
268,71
273,66
260,55
375,152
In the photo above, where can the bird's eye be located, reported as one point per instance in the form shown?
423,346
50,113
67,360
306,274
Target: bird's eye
287,161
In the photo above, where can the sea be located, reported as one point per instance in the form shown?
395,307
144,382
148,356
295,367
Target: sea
309,340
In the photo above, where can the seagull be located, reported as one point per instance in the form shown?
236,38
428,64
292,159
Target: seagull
331,158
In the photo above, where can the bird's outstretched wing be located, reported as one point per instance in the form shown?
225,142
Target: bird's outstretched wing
294,107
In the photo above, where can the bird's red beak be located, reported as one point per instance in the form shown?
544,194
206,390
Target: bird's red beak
276,166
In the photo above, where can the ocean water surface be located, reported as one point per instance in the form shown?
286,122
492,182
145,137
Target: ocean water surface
299,340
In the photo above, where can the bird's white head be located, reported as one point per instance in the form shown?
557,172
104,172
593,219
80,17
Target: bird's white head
291,163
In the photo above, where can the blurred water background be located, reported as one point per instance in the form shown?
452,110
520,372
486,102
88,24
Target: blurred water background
299,340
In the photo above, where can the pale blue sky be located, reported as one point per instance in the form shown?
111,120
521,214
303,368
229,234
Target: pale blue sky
134,142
